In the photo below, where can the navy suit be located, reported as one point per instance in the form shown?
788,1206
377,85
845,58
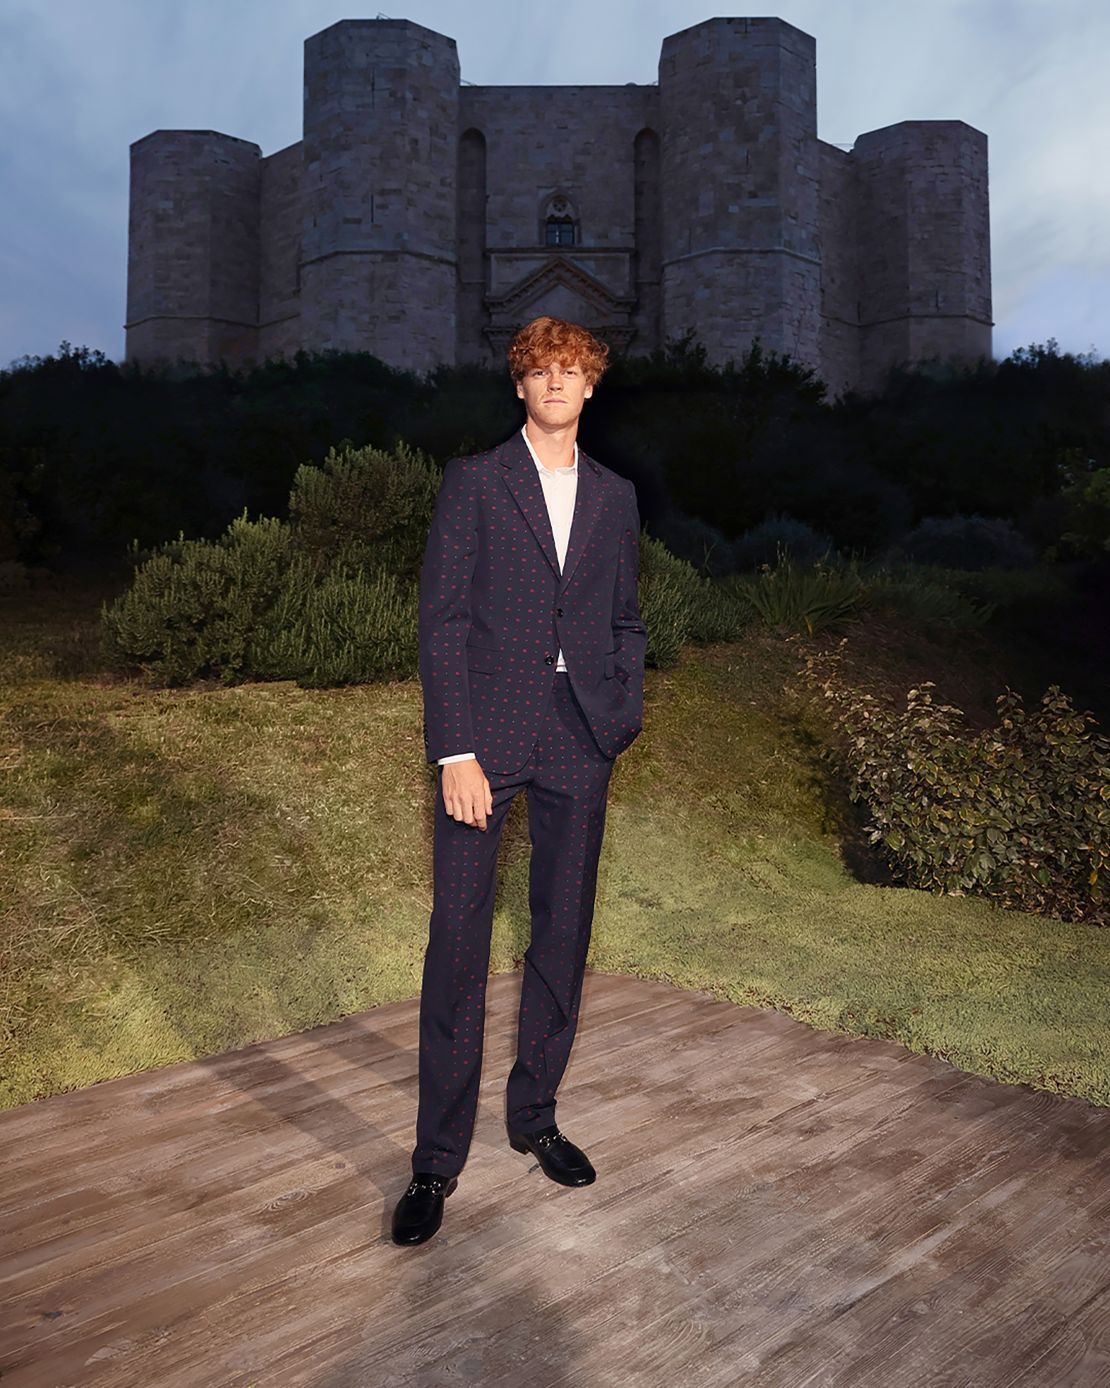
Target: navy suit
495,609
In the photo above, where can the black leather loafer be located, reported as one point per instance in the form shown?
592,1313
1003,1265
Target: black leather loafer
556,1154
419,1211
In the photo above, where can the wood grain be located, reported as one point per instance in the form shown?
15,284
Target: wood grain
775,1206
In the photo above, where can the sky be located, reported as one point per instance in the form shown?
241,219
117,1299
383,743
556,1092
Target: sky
81,79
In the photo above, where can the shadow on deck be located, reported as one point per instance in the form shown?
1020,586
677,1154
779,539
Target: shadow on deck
775,1206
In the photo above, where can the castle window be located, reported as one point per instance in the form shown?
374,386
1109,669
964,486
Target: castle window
560,231
558,221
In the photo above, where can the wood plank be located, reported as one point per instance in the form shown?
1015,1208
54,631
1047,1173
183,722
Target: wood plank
362,1059
775,1205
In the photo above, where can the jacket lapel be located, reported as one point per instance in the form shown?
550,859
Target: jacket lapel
523,482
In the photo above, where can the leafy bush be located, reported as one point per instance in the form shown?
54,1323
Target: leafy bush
696,541
1087,499
680,605
21,472
929,600
780,533
367,505
966,542
1019,813
194,606
339,629
329,598
1001,589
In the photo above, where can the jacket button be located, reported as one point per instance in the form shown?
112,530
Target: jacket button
549,660
558,612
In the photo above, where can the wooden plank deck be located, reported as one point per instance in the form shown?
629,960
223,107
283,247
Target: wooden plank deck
775,1206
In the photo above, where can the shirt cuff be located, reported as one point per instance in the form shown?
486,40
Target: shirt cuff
458,756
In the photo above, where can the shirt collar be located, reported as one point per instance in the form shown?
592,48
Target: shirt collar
558,472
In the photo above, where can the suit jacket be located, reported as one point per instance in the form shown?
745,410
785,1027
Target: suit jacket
495,609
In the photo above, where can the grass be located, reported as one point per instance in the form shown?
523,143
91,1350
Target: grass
185,872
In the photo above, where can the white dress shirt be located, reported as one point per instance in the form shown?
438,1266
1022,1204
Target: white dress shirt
560,486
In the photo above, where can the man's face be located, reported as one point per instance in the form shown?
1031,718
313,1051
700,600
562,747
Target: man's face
553,394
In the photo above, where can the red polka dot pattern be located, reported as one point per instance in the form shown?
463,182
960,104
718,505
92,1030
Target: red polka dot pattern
567,781
495,609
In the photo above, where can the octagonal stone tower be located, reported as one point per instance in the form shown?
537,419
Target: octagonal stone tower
923,231
378,250
192,281
738,109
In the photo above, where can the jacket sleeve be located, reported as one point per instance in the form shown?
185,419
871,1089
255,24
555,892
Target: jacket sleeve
444,618
629,632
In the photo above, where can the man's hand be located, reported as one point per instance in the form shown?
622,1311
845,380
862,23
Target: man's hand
466,792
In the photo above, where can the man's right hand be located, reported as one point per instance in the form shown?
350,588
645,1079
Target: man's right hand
466,792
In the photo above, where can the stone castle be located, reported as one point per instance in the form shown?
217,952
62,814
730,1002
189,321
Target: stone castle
424,219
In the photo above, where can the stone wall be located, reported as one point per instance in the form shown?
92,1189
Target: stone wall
542,144
839,348
470,201
279,299
410,220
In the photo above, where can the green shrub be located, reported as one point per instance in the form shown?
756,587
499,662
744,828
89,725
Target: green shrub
668,590
680,605
1006,589
807,596
720,614
966,542
1086,496
21,471
342,628
365,509
928,600
1019,813
780,533
702,545
194,605
329,598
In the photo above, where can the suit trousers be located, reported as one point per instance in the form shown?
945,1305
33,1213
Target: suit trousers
567,783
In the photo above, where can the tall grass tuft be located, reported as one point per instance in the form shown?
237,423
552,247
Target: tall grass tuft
797,597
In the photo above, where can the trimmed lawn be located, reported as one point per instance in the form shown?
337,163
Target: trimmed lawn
184,872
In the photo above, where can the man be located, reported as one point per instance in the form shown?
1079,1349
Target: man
532,668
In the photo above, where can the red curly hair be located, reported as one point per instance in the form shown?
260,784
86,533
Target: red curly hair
545,340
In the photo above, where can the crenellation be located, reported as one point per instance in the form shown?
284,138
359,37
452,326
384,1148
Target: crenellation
423,219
